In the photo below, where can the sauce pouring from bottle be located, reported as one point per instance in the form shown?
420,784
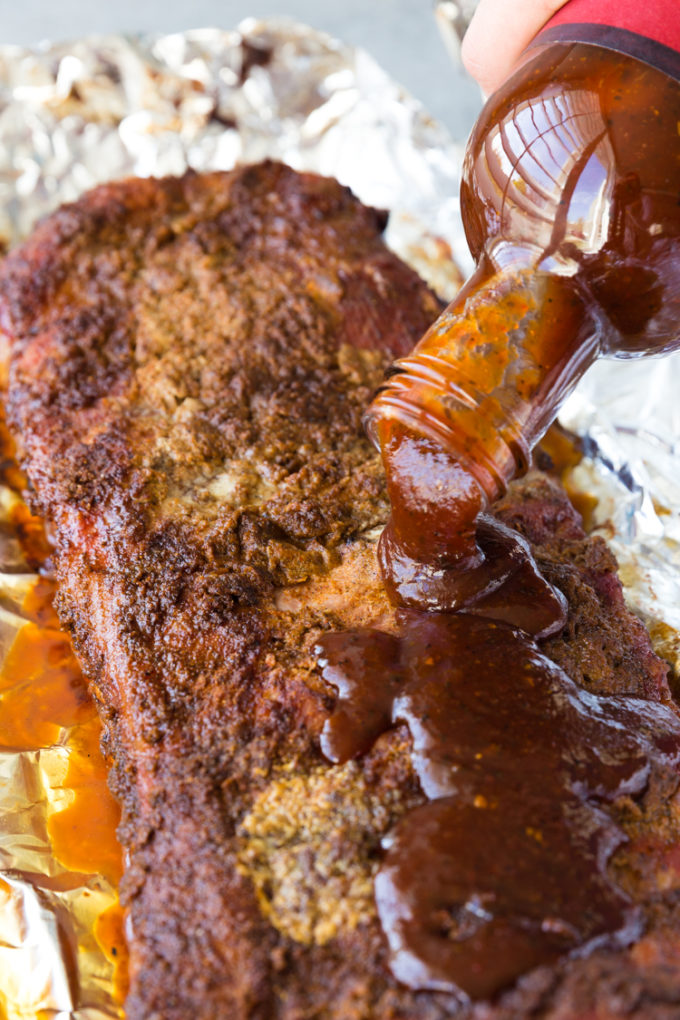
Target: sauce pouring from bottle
571,204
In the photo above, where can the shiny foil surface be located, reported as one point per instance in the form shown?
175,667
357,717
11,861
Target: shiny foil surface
73,115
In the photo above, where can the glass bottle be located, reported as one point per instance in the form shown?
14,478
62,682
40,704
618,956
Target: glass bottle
570,201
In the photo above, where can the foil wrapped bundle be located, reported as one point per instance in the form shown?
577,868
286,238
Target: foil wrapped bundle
74,115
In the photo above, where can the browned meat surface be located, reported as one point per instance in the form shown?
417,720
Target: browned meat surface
189,363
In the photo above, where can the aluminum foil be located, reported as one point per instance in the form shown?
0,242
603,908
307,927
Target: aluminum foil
453,18
52,892
629,416
74,115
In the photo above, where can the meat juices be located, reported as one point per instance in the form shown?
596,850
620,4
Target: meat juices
190,361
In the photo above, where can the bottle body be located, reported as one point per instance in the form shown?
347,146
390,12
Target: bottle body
571,206
573,168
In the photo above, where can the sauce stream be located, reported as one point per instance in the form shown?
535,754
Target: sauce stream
569,202
504,868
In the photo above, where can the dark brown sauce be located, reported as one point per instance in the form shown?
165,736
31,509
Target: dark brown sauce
505,868
501,583
570,208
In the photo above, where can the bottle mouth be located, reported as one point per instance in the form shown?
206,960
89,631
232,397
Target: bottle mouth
421,395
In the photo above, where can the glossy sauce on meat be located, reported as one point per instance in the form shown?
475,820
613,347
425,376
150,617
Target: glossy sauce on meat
576,250
505,868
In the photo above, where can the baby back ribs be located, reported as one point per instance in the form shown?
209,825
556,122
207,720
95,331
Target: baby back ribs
189,362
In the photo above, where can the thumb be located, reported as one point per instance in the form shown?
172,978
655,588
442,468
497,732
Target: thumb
499,32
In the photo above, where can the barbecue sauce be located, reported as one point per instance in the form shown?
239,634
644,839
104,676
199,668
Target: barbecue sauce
570,202
504,868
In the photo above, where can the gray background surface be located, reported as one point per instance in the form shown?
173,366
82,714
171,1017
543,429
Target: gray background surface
401,34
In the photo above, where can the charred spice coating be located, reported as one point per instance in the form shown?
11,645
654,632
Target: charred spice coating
189,363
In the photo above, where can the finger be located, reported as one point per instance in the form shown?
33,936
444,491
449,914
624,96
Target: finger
499,32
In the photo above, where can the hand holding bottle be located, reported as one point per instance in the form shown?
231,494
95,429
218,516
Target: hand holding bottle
569,200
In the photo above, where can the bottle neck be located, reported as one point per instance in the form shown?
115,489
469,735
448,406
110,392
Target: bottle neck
487,379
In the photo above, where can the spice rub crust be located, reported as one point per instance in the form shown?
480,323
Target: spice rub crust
190,360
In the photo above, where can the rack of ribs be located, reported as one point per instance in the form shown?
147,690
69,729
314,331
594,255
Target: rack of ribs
189,360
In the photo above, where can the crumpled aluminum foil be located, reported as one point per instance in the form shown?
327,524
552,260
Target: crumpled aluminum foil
74,115
629,416
48,908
